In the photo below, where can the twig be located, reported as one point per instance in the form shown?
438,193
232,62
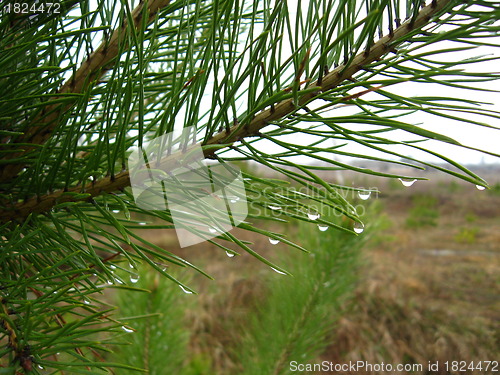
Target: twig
98,63
280,110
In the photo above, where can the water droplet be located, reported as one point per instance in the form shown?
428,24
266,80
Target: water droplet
274,241
40,367
364,195
212,230
322,227
407,182
185,290
234,199
230,254
358,227
86,301
278,271
110,282
134,278
112,266
126,329
274,208
313,215
142,223
479,187
119,281
116,211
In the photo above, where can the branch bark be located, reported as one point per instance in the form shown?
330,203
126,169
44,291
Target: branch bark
280,110
91,71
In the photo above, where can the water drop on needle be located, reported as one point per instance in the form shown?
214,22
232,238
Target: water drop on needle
212,230
134,278
274,208
364,195
322,228
126,329
358,227
278,271
479,187
407,182
185,290
313,215
230,254
274,241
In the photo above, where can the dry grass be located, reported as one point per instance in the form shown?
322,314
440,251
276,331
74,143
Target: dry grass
411,306
415,306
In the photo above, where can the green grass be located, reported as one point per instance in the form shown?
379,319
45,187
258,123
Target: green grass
423,212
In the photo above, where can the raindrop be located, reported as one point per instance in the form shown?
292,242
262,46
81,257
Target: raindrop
116,211
119,281
109,282
134,278
358,227
86,301
274,241
234,199
185,290
40,367
364,195
112,266
212,230
322,227
479,187
278,271
274,208
142,223
230,254
313,215
128,330
407,182
130,265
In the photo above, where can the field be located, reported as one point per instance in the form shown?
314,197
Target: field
431,291
427,288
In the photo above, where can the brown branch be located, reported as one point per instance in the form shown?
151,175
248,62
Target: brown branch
280,110
90,72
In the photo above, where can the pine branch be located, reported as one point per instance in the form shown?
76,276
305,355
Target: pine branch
90,72
388,43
